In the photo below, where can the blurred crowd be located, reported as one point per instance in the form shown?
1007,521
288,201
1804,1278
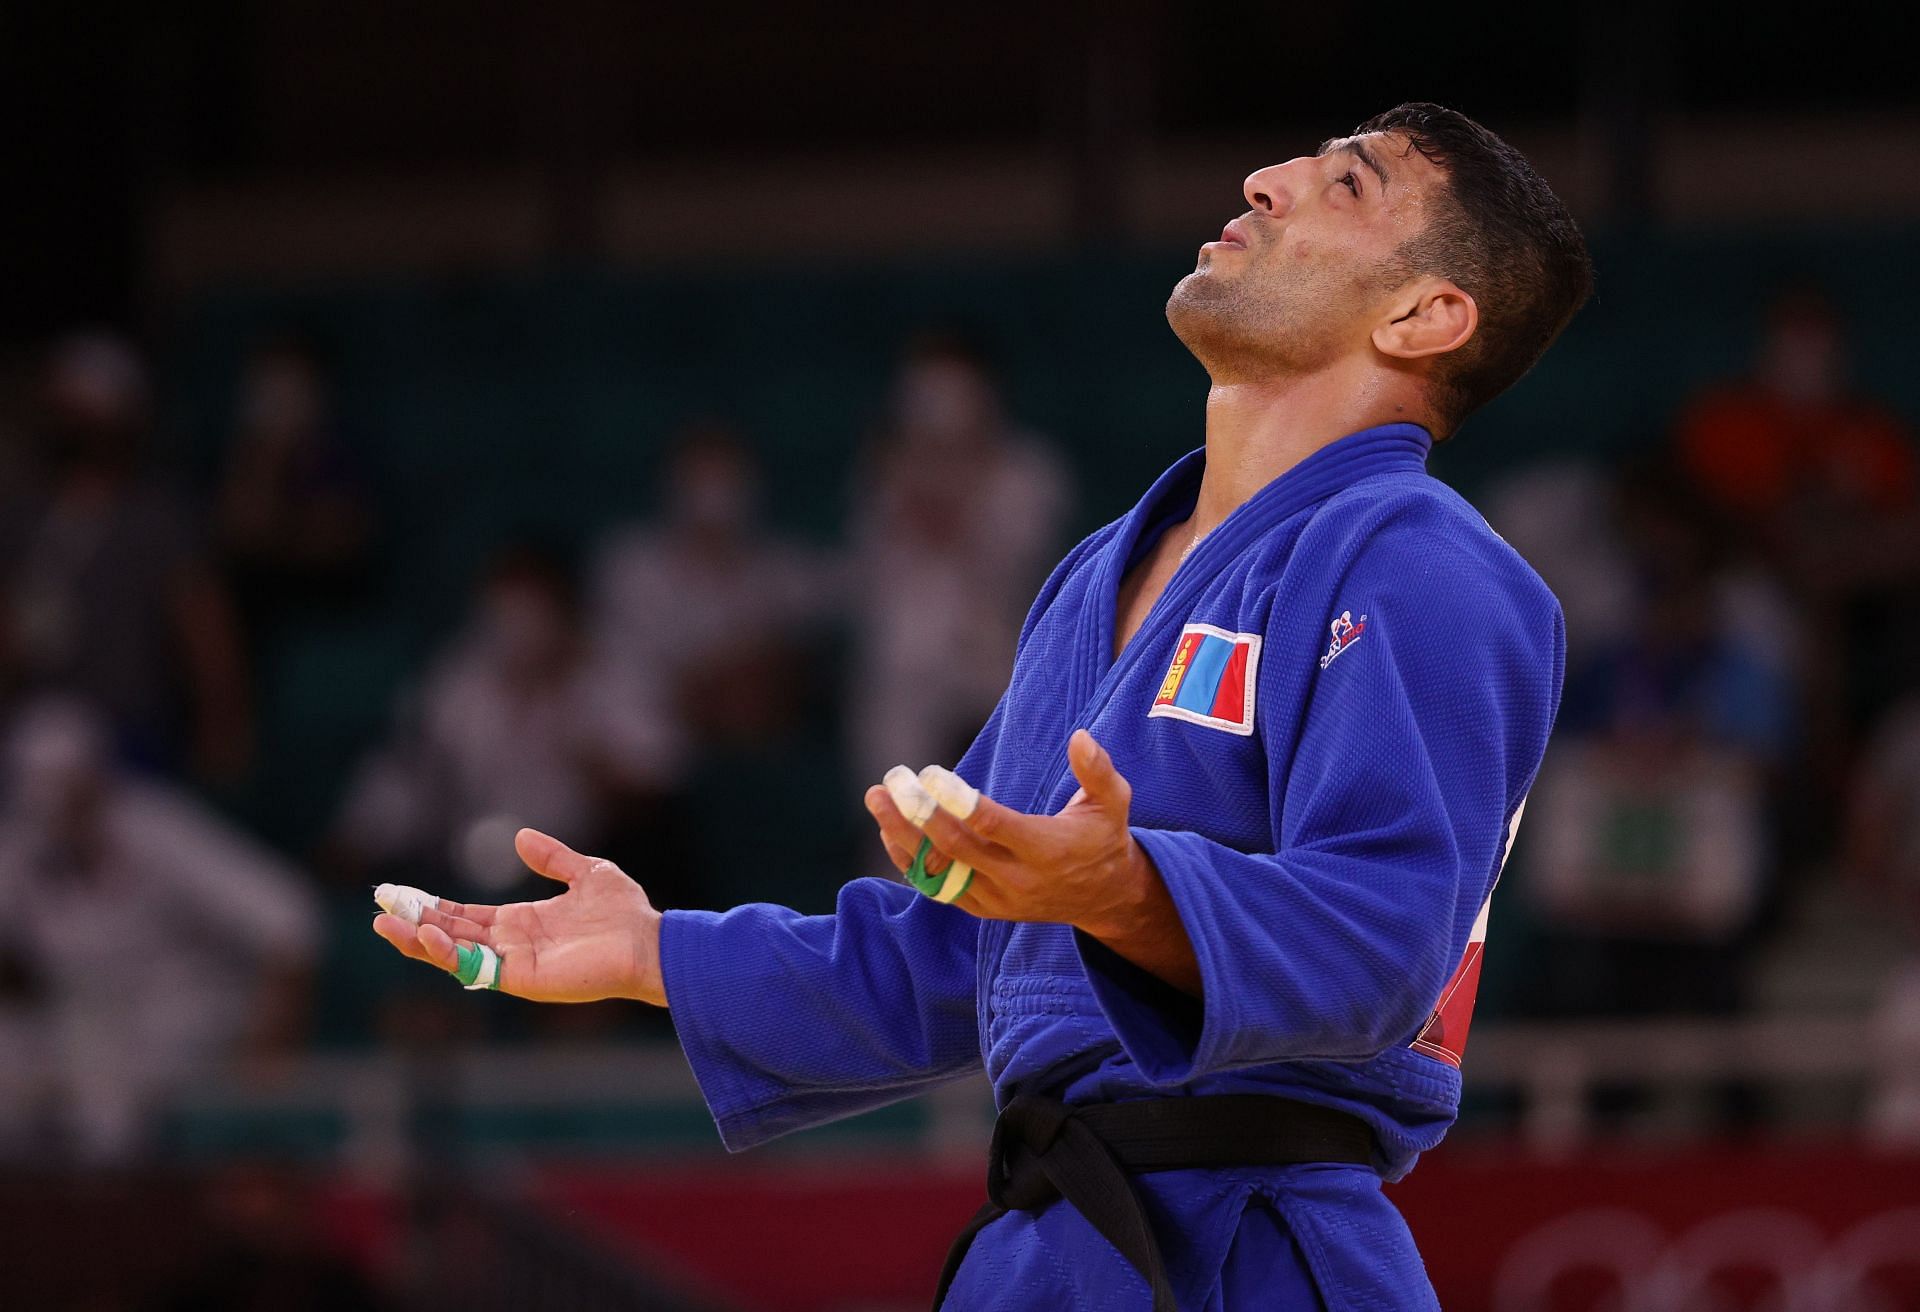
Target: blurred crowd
1726,821
586,691
1736,773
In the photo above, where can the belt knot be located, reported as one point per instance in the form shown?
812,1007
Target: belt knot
1024,1133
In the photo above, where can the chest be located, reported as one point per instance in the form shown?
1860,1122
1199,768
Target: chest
1178,680
1143,586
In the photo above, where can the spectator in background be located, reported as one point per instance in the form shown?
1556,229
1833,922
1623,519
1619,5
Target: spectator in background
708,604
1651,817
957,520
1793,448
522,721
1822,483
1563,518
104,587
159,937
296,519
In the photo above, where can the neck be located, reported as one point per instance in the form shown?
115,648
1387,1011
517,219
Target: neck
1259,429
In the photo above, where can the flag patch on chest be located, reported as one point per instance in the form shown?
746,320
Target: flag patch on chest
1211,679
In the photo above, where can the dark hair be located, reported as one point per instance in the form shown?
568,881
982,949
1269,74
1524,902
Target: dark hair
1505,239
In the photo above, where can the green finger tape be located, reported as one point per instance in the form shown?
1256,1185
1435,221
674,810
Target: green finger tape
466,967
931,884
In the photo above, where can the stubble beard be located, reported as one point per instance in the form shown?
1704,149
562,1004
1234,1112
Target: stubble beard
1250,327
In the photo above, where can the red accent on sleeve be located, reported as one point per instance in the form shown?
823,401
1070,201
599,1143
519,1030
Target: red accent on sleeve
1445,1035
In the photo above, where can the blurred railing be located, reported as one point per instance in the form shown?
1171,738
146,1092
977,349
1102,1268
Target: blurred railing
1556,1069
374,1112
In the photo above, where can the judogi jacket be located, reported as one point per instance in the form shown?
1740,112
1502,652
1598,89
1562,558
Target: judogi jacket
1330,719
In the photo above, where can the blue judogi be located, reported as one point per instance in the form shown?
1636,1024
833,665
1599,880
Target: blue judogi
1330,830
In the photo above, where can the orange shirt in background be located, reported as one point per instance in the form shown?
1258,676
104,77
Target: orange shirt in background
1755,452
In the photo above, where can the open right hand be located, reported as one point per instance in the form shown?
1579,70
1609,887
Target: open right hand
598,939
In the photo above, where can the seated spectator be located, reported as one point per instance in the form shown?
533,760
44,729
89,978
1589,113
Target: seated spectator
1795,441
158,937
708,602
1562,518
104,587
1651,822
521,721
296,518
1823,482
958,518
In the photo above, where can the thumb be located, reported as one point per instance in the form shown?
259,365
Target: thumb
547,855
1094,768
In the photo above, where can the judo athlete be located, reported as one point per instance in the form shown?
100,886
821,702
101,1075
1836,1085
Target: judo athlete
1266,743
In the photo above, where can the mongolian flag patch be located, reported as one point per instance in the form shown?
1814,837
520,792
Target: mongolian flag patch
1211,679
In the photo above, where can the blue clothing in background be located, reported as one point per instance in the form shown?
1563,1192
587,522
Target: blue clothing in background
1330,831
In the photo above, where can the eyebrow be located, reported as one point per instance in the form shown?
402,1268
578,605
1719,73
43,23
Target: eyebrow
1353,147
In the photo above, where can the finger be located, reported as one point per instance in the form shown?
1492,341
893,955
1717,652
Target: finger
893,830
439,947
397,932
953,838
900,838
902,859
981,815
1000,826
478,913
457,926
402,934
547,855
1093,766
982,901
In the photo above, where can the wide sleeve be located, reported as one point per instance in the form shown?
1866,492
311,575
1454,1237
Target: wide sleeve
790,1021
1394,782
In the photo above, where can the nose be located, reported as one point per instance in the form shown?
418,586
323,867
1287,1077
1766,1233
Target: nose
1266,190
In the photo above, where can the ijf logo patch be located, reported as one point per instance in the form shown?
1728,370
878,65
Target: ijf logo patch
1346,632
1211,679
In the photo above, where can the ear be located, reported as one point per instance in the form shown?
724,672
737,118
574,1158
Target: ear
1431,317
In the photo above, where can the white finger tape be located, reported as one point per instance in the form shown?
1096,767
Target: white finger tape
914,801
404,901
956,796
489,974
958,876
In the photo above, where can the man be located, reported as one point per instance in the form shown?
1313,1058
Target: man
1265,745
125,897
958,514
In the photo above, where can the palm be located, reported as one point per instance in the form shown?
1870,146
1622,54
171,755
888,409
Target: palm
598,939
578,947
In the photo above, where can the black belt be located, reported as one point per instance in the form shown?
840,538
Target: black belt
1043,1150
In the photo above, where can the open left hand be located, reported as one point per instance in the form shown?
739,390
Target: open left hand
598,939
1080,867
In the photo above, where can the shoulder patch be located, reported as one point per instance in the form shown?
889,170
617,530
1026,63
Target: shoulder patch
1346,631
1211,679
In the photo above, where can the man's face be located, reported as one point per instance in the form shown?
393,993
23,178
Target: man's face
1303,277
